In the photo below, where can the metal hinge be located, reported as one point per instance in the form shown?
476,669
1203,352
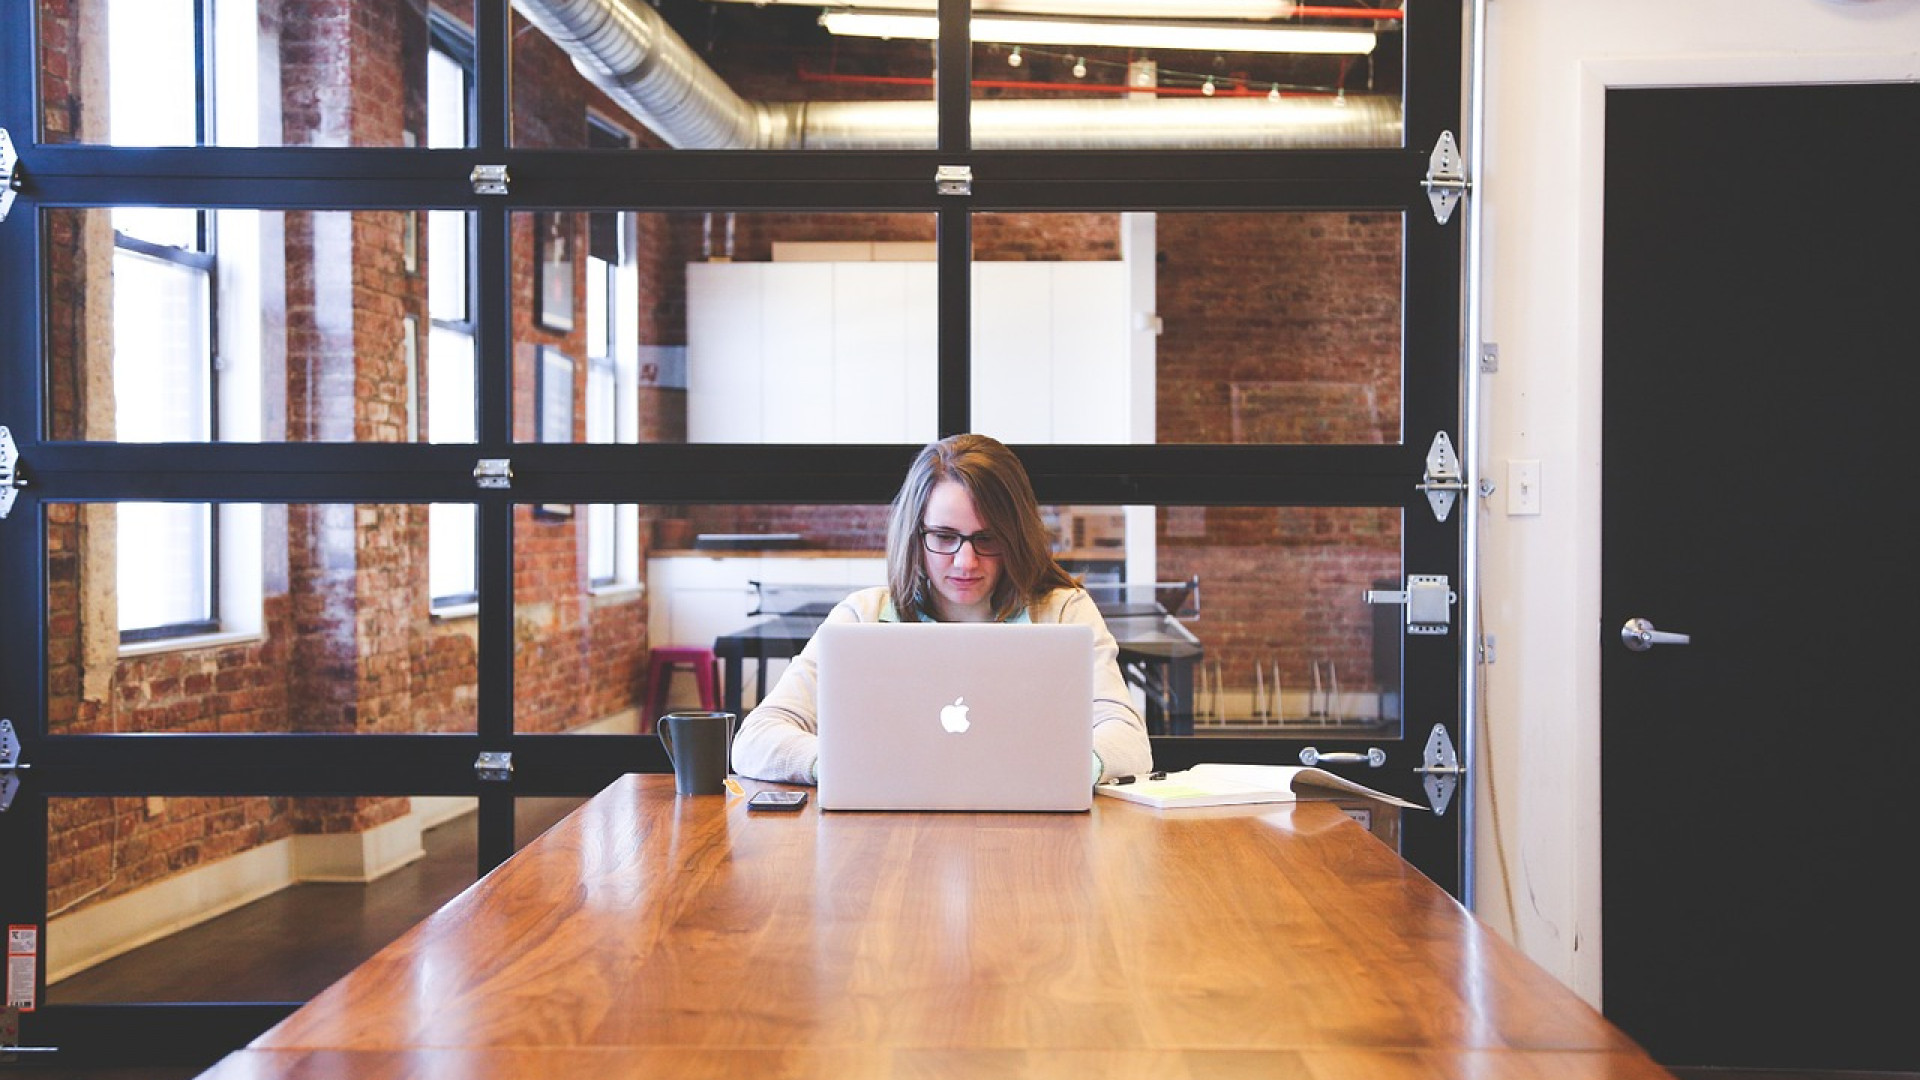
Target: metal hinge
1444,480
10,180
494,766
489,179
10,765
10,479
953,180
1440,769
493,473
1446,178
1429,599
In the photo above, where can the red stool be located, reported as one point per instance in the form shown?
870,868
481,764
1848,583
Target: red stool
662,663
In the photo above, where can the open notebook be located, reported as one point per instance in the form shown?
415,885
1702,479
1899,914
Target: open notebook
955,716
1226,785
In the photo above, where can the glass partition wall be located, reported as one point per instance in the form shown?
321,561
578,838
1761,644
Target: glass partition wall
398,376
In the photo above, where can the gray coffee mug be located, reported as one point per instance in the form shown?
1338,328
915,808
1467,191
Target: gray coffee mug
698,744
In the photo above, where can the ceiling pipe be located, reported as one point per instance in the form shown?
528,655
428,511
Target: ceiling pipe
628,50
1129,9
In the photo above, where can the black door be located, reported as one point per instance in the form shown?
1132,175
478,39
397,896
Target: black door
1762,264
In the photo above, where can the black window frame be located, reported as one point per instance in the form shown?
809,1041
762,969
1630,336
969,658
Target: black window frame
66,175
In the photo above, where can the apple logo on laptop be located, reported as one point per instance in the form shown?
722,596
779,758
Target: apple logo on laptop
954,717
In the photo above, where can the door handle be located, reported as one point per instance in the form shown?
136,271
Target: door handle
1639,635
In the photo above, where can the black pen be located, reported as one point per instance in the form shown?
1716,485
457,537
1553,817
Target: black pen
1161,775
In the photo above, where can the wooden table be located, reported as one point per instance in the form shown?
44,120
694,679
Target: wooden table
649,936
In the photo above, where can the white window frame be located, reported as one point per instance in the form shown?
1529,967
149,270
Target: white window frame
452,537
613,393
224,554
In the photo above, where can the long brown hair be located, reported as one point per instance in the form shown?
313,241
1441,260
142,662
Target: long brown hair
1003,497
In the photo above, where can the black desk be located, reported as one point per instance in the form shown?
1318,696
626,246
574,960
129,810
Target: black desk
1157,653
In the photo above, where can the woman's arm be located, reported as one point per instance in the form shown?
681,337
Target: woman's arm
779,739
1119,734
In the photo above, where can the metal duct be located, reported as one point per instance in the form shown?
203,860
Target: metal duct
627,49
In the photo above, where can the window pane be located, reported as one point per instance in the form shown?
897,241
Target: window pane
1278,327
323,625
162,358
1291,645
719,76
714,573
240,898
151,99
1186,75
164,565
745,327
447,265
581,628
1231,620
452,560
313,324
450,386
159,225
138,73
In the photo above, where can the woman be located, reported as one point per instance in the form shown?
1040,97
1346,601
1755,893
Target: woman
965,543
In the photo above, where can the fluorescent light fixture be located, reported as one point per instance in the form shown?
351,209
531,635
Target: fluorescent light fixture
1112,9
1014,30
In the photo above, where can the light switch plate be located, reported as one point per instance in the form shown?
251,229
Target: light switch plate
1523,488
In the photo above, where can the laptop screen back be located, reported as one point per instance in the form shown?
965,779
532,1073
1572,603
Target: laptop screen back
955,716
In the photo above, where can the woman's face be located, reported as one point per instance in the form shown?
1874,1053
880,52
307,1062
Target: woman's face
963,581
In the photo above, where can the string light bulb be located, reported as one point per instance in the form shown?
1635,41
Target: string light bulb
1080,67
1013,58
1274,93
1207,90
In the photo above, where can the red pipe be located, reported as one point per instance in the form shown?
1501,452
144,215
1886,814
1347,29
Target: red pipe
1305,12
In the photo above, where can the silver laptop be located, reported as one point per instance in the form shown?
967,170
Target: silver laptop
955,716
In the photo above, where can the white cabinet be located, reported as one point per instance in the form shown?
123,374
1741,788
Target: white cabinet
1051,359
845,352
810,352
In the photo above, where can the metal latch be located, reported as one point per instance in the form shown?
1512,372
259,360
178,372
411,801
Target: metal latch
10,479
1444,479
1446,179
1429,599
493,473
10,1046
1374,757
488,179
1440,769
10,180
494,766
10,765
953,180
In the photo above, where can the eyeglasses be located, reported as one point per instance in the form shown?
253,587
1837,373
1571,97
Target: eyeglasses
947,542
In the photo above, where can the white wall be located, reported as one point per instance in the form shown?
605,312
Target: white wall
1537,874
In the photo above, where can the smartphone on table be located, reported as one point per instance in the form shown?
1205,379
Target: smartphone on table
777,800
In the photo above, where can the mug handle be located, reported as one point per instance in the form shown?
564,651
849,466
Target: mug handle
660,727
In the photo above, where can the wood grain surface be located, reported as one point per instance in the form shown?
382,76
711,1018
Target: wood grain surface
649,935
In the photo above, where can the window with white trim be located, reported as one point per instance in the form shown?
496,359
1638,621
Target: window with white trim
168,277
613,368
451,542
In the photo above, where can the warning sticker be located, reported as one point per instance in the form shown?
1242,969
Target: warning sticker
23,952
